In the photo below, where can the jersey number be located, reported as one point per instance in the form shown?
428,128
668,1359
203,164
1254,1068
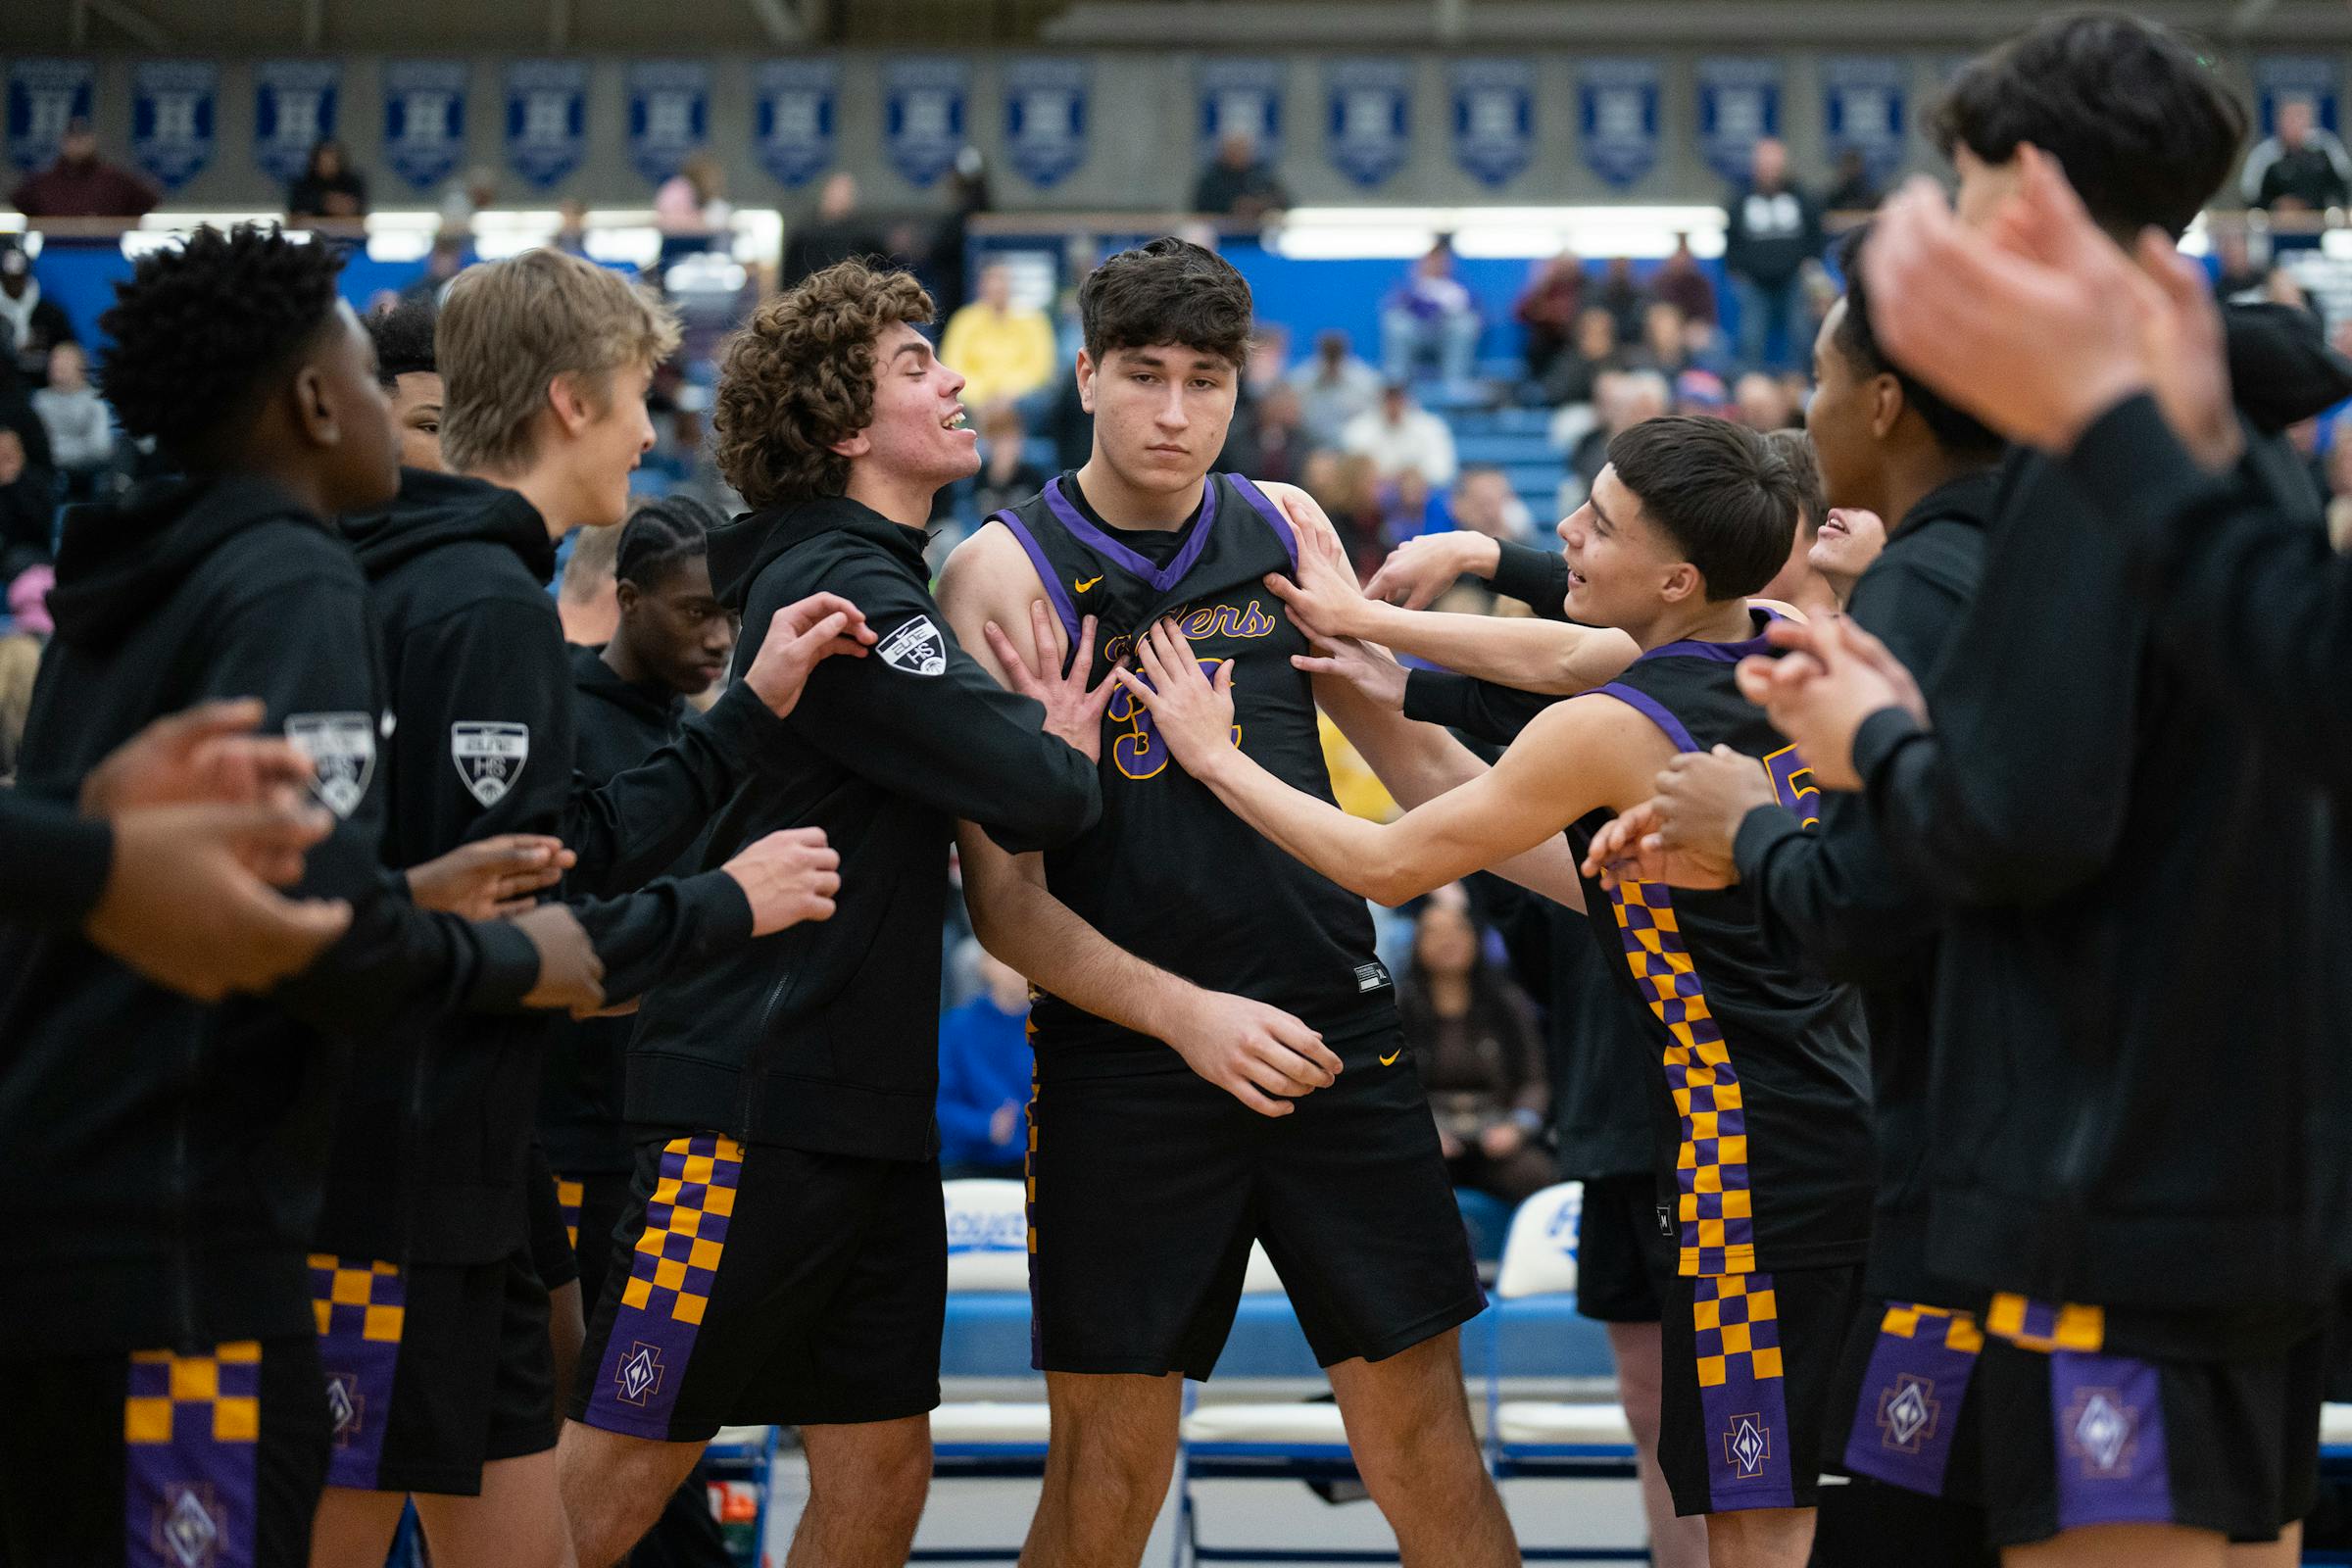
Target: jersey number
1138,749
1793,782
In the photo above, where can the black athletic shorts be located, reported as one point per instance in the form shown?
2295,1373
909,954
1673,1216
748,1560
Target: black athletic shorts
1145,1192
1749,1369
1905,1412
766,1285
2079,1438
549,1236
1623,1259
152,1460
433,1370
591,1205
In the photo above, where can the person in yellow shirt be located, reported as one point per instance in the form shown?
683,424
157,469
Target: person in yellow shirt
1003,350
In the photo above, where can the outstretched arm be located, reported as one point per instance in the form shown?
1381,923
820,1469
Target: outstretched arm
1576,758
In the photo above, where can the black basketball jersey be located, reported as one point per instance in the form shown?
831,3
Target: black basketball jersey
1762,1100
1169,875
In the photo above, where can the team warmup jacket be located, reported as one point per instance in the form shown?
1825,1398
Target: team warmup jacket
2133,1085
432,1161
1831,900
174,1151
825,1036
57,860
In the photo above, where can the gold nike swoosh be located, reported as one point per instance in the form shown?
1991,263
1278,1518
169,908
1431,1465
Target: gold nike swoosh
1089,583
1392,1057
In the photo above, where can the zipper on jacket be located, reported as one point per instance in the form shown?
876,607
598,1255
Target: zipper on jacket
745,1089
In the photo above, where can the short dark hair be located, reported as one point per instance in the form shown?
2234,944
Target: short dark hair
404,340
1796,449
2139,118
1952,430
1169,291
661,535
1720,491
203,331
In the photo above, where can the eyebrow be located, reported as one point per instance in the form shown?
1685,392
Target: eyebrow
918,346
1155,359
1600,510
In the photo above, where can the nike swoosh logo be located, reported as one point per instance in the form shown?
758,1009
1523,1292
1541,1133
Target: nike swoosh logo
1089,583
1392,1057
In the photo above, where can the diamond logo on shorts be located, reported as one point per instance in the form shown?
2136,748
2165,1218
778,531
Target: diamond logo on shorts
639,1374
1747,1445
1907,1413
2100,1430
343,1402
185,1527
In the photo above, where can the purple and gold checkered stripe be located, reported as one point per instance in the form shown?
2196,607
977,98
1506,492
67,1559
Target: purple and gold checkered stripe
671,1271
191,1434
360,1306
1908,1412
570,1195
1716,1207
2046,1326
1738,1347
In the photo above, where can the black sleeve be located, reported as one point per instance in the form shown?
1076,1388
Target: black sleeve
1478,709
2253,595
949,736
57,860
398,966
638,822
1537,578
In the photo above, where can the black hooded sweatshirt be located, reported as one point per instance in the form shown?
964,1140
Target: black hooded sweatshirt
57,862
431,1163
825,1036
178,1151
2132,1091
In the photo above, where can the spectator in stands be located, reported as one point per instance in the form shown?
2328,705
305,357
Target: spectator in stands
1622,400
466,197
81,426
30,325
692,207
1333,388
572,227
968,196
1703,348
1346,486
1397,434
1271,445
838,232
1007,476
1431,315
1239,183
1772,230
28,513
1473,1039
983,1066
2240,277
1482,501
2301,167
1551,309
1621,294
1682,282
1762,403
1575,374
444,262
329,187
1003,350
1851,190
81,185
1663,348
587,600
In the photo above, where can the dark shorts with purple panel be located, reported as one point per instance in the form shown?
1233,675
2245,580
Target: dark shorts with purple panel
432,1370
766,1285
1903,1386
157,1460
2075,1435
1748,1386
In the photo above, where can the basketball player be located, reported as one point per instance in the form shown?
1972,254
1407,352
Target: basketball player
546,360
411,375
783,1255
1761,1107
1195,982
2154,1221
157,1333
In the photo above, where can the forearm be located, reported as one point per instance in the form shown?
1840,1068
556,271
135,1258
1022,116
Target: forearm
1534,655
633,828
665,930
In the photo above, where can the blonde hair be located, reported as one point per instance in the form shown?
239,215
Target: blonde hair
508,328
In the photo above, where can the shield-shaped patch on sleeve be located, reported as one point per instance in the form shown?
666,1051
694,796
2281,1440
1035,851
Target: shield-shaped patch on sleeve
917,647
489,755
341,748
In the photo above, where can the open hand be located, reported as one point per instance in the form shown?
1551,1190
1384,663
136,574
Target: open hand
1261,1055
1834,676
1072,712
1420,570
1367,667
1194,716
799,636
1322,596
491,878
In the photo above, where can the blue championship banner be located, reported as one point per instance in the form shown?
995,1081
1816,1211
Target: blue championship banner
1739,106
2289,79
43,96
1493,117
797,111
1862,108
174,113
295,105
923,115
547,119
1617,117
1046,111
424,118
1242,97
1368,117
669,113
